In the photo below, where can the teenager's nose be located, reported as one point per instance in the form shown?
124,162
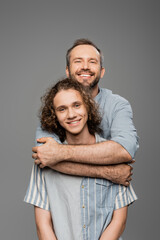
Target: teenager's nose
71,113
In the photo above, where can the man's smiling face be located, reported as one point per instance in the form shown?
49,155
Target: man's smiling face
85,65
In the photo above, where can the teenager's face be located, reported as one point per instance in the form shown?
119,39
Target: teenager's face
71,111
85,65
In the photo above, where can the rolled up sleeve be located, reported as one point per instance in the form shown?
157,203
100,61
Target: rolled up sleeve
122,127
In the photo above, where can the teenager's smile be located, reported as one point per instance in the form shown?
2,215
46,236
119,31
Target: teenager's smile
71,111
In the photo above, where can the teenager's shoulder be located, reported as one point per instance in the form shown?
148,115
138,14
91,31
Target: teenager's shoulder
99,138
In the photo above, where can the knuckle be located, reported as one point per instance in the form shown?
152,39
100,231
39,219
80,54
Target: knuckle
38,155
43,162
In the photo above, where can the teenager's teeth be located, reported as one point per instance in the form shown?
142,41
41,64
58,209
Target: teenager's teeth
85,75
74,122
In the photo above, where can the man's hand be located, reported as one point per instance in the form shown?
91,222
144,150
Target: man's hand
120,173
47,154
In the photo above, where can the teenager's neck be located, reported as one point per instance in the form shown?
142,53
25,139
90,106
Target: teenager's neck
80,139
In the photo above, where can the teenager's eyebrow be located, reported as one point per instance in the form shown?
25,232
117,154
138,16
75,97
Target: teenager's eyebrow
64,106
61,106
79,102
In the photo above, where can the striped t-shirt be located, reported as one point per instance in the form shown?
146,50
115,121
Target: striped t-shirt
81,207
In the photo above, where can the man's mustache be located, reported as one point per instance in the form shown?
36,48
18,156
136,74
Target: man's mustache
86,71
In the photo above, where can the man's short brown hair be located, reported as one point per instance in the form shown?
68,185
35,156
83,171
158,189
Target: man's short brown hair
82,41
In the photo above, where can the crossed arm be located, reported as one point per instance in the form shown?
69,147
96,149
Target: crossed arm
86,160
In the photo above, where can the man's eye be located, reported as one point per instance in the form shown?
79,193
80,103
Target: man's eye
92,61
77,61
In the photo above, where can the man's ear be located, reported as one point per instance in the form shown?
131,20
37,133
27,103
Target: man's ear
67,71
102,72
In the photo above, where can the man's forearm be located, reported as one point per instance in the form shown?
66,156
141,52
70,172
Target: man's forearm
120,173
104,153
100,154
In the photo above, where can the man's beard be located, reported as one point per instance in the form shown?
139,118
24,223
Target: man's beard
94,83
91,85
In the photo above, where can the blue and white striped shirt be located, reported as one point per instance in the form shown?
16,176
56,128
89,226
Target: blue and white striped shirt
81,208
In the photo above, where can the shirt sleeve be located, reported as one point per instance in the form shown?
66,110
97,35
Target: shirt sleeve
37,192
125,196
42,133
122,127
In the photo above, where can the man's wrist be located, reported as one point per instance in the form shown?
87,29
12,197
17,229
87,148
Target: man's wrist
106,172
65,151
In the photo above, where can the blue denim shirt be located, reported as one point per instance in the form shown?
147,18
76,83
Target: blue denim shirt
117,120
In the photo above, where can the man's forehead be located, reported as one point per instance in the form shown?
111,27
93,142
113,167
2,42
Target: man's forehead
82,50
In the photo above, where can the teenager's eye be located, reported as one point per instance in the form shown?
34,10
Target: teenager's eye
77,105
61,109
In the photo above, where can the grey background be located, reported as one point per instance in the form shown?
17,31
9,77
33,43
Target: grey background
34,37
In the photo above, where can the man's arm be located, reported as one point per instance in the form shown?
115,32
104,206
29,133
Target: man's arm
44,224
116,226
104,153
120,173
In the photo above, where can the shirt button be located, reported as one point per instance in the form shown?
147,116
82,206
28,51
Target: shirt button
83,206
82,186
84,226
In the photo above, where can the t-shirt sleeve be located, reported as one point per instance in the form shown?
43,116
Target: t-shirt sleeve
122,127
37,192
125,196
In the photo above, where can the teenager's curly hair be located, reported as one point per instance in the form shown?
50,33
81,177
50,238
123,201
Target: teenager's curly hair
47,114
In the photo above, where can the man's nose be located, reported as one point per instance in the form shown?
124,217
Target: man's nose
85,65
